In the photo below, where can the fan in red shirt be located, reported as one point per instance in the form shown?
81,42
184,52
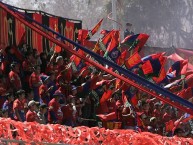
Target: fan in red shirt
14,77
55,114
63,84
18,106
44,91
31,115
35,82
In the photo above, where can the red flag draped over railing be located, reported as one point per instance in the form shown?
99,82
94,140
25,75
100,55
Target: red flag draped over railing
37,38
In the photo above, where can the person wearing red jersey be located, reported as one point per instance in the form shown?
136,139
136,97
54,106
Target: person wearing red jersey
18,106
129,117
35,82
63,82
27,69
31,115
14,77
55,114
44,91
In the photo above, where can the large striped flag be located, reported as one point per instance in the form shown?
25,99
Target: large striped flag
162,74
94,30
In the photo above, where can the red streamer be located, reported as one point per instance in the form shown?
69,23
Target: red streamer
33,132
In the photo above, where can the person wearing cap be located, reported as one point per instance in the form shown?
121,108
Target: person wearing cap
8,104
31,115
55,114
18,106
35,82
14,77
44,91
43,108
128,30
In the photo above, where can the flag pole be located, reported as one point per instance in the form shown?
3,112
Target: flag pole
114,13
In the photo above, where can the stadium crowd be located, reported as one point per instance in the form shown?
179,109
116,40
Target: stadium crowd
43,88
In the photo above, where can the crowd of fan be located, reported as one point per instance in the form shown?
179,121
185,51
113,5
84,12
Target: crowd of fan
43,88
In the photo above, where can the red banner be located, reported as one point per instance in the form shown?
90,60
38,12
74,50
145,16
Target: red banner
69,32
53,24
37,38
19,31
3,28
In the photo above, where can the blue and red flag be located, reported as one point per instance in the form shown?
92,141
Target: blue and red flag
161,76
135,42
113,52
153,64
180,68
133,61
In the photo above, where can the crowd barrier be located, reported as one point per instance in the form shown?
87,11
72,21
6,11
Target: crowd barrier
34,133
